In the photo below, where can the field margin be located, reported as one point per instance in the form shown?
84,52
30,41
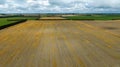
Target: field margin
12,24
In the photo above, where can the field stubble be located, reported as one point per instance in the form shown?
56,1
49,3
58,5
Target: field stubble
62,43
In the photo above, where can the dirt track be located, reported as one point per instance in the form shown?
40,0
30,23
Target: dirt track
58,44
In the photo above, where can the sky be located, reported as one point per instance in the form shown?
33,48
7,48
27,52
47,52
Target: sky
59,6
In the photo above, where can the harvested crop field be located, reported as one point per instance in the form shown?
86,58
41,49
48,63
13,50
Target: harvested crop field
109,25
52,18
62,43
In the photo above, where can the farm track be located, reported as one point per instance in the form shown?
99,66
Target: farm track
58,44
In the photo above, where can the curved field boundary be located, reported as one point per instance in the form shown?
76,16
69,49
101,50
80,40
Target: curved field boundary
8,25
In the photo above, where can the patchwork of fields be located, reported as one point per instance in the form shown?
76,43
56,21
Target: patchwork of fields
52,18
94,17
58,43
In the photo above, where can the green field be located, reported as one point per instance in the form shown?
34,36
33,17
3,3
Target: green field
93,17
9,20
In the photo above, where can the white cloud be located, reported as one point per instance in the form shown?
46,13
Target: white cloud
75,6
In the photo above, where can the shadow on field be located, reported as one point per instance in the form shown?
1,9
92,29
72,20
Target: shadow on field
110,28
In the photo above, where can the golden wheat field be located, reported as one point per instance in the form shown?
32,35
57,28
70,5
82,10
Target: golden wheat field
58,43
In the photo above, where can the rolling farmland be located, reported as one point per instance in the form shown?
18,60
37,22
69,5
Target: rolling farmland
94,17
58,43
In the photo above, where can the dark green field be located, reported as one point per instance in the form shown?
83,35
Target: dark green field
93,17
9,20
